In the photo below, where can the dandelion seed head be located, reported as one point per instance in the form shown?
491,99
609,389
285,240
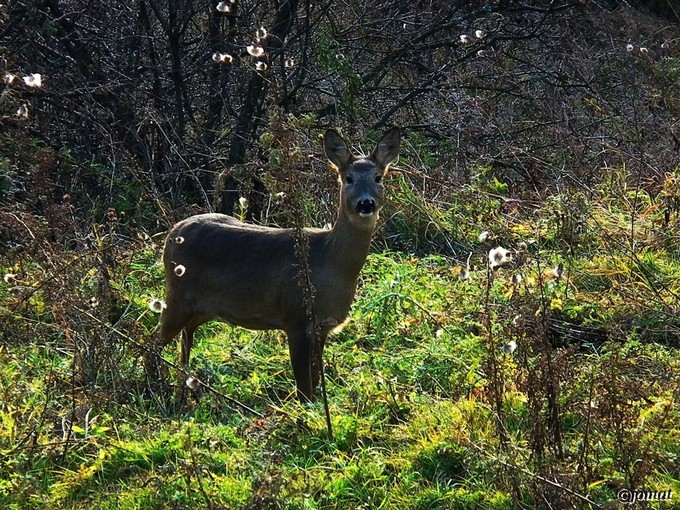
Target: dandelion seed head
464,274
157,305
9,78
289,63
260,66
93,302
499,256
558,270
23,111
629,47
180,270
255,51
243,202
516,279
192,383
484,236
439,333
33,80
464,38
510,347
479,34
261,33
224,7
222,58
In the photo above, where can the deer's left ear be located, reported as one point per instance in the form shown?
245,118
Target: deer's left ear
387,149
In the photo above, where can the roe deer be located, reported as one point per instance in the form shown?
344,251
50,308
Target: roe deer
218,267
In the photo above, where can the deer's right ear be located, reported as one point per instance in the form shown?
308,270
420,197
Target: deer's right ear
336,149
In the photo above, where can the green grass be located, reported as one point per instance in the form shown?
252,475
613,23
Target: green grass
428,408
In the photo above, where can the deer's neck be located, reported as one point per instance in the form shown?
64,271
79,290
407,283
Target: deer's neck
349,244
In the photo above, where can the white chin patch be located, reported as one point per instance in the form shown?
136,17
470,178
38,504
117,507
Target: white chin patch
366,214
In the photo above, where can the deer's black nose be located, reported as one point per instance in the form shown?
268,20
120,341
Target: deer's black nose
366,207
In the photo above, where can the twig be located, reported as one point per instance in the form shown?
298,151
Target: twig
302,249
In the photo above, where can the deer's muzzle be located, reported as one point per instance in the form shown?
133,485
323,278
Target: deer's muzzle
366,207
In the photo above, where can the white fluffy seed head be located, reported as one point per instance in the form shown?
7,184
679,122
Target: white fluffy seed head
157,305
222,58
499,256
255,51
558,270
192,383
33,80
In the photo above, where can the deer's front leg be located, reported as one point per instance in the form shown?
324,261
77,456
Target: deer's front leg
300,347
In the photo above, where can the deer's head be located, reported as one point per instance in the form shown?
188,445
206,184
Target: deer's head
361,176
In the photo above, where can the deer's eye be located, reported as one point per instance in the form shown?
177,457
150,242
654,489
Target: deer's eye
378,179
349,179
